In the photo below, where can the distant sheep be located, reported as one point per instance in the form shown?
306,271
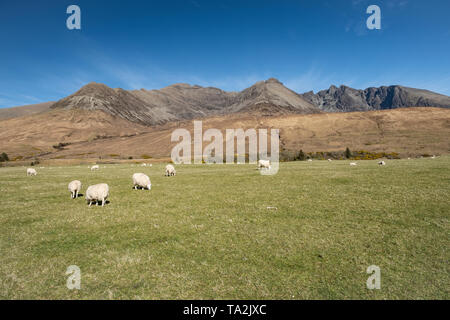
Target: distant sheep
74,188
382,163
263,164
146,165
31,172
309,160
97,193
170,170
353,163
141,180
330,160
95,167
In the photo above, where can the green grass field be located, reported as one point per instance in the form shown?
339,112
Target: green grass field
207,233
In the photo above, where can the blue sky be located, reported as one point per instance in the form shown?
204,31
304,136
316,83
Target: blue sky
306,44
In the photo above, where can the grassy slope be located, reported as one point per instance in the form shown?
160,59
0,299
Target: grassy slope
207,233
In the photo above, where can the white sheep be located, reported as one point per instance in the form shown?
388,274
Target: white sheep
141,180
95,167
382,163
353,163
31,172
329,160
309,160
170,170
97,193
264,164
74,188
143,165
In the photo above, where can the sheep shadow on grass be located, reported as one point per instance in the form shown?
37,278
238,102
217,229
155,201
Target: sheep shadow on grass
140,188
98,203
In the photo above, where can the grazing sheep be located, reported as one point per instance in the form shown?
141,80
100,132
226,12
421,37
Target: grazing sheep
263,164
433,157
382,163
353,163
31,172
170,170
96,167
143,165
74,188
330,160
141,180
97,193
309,160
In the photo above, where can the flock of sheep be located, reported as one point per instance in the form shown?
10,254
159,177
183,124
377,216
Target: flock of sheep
100,192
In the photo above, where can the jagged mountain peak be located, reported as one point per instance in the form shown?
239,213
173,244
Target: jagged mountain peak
347,99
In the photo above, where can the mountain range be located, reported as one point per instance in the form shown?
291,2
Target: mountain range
265,98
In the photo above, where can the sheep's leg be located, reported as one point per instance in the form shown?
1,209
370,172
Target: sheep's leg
90,203
76,194
103,202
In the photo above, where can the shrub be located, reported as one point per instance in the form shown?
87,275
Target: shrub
286,155
301,156
348,153
61,145
4,157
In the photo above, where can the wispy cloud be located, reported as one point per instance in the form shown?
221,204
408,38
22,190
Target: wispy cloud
13,100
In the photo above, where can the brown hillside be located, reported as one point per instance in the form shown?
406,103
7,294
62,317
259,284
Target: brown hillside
411,131
36,135
16,112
